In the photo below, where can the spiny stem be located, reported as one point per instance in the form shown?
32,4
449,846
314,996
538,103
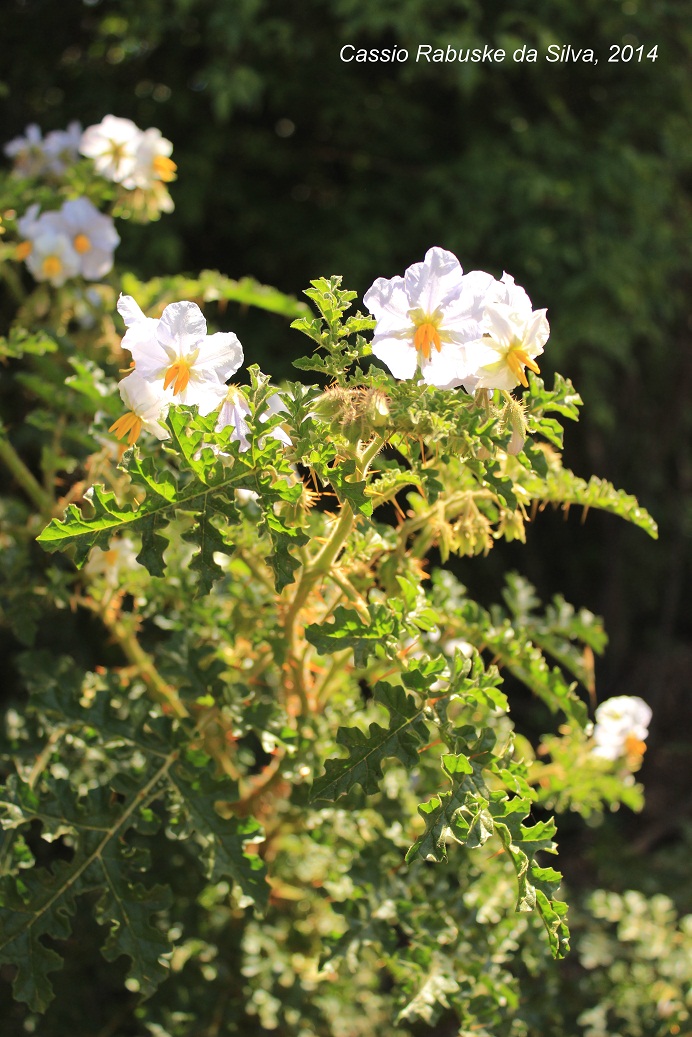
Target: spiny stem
322,565
370,452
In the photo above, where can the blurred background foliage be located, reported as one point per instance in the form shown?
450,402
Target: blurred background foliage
574,177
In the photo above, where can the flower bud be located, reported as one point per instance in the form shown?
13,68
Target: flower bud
330,404
515,419
377,409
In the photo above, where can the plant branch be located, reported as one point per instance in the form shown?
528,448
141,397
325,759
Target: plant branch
28,482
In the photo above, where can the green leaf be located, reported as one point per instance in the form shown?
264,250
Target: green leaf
105,859
283,563
21,342
562,399
127,908
563,487
462,814
349,489
224,839
511,644
537,885
407,731
208,538
164,496
471,812
348,631
41,902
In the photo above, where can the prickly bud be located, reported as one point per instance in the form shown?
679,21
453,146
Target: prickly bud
515,420
377,409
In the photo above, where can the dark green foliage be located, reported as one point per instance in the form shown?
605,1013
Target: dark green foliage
106,830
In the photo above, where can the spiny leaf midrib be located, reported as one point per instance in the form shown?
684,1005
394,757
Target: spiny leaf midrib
60,529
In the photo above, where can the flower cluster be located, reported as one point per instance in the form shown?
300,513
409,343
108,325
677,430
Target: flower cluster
138,160
74,240
622,724
38,156
123,153
78,240
120,151
455,328
175,361
451,328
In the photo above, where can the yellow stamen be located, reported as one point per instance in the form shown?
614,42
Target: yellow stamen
426,336
134,432
164,168
517,359
23,250
51,266
127,423
178,374
634,746
81,244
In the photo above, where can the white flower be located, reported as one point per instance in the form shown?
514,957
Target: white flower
177,352
112,144
61,148
92,234
152,162
51,257
146,404
234,410
36,156
276,405
514,335
28,152
32,225
427,318
120,557
622,724
28,223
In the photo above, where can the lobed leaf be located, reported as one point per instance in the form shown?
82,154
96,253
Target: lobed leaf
407,731
224,839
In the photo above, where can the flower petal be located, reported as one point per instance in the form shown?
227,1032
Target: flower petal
182,327
447,368
389,304
130,311
205,395
221,353
477,288
400,357
435,282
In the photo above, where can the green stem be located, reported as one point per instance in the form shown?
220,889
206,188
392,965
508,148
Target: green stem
30,485
311,574
137,657
320,566
358,601
369,453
